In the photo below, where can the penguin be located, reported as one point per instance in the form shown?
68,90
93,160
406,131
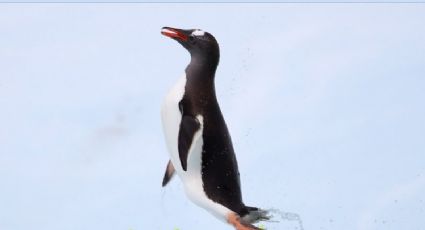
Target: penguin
197,138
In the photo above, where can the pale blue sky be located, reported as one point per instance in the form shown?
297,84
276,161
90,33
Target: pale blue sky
325,104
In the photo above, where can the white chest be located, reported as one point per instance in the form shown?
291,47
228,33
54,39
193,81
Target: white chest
192,178
171,118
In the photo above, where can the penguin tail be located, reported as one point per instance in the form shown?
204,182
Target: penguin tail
254,215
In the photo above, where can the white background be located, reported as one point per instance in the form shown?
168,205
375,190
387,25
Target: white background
325,104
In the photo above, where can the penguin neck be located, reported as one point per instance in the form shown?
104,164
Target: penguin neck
205,63
201,70
200,74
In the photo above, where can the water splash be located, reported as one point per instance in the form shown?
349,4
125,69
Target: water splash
277,216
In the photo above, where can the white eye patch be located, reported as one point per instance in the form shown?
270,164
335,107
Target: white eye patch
198,33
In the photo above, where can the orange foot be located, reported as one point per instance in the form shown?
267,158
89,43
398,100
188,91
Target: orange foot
235,220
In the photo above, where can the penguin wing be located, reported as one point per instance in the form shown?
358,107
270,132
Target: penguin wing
169,173
188,127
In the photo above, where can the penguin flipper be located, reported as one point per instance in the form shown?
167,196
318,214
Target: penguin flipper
169,173
188,127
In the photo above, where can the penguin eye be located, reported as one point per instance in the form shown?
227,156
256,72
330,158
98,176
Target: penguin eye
191,39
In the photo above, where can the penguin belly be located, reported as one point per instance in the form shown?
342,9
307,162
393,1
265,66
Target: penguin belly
192,178
171,118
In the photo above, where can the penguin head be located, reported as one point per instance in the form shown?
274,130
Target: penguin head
200,44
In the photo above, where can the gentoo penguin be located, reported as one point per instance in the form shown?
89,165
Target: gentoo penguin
197,137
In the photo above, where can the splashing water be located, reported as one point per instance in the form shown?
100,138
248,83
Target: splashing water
277,216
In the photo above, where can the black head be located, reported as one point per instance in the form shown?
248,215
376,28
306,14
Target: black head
201,45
